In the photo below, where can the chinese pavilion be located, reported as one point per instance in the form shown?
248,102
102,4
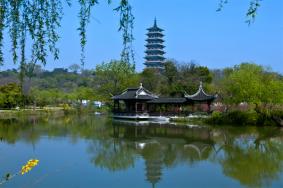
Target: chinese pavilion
154,48
141,103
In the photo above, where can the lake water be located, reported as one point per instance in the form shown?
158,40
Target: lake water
89,151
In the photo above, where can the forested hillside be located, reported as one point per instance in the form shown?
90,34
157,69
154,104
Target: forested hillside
246,82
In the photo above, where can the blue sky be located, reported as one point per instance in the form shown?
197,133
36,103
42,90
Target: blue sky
193,29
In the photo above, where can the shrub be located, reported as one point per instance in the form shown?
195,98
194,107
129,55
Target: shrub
263,117
215,118
252,117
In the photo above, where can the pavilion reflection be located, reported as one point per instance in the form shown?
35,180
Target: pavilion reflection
166,145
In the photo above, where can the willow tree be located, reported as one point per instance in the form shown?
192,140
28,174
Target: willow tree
38,21
251,12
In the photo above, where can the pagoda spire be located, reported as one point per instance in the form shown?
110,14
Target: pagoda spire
155,22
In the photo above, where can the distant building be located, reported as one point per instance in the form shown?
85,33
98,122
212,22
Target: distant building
154,48
98,104
85,102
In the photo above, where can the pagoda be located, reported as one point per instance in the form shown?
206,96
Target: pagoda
154,48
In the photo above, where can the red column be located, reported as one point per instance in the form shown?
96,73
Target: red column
208,106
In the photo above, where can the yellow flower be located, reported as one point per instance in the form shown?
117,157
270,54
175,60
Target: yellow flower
30,164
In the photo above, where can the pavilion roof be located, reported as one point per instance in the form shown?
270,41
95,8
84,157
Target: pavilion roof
200,95
141,93
136,94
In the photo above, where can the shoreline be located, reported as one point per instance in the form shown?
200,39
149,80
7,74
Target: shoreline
233,118
6,114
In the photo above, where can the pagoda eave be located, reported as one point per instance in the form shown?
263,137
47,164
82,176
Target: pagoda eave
154,45
155,33
155,39
154,29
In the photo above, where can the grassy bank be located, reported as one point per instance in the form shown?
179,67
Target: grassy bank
57,111
4,114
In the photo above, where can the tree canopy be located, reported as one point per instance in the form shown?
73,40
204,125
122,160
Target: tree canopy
252,83
114,77
10,95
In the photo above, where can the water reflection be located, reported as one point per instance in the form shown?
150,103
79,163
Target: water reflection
250,155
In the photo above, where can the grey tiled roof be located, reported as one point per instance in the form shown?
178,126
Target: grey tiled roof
143,94
135,94
200,95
